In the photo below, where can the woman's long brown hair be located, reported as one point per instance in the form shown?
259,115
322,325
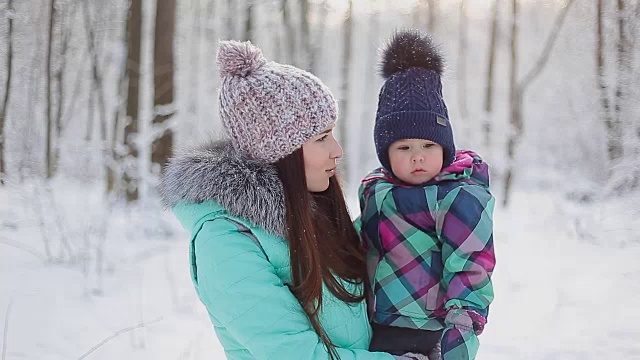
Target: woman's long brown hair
323,244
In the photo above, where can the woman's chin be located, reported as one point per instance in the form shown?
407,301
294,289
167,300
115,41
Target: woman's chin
318,187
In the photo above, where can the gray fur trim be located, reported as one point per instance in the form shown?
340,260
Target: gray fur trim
246,188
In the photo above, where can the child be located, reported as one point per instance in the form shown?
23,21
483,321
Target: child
426,216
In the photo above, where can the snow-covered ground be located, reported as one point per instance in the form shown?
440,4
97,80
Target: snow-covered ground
567,280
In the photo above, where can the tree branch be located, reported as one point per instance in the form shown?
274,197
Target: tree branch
6,329
116,334
551,40
23,247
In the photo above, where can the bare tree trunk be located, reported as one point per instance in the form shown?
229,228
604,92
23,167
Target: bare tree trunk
195,59
60,76
212,34
343,124
462,62
636,25
613,147
621,48
229,20
90,116
73,99
211,20
49,109
369,92
416,18
60,89
491,64
515,115
518,91
289,33
163,83
34,85
114,172
305,35
132,73
316,46
372,39
275,29
7,89
433,15
631,60
96,80
623,74
248,24
625,175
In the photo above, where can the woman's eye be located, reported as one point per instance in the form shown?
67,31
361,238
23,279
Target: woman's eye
323,138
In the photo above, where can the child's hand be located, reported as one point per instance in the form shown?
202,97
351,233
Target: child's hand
459,342
466,320
412,356
435,353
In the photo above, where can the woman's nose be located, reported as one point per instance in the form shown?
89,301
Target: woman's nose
337,151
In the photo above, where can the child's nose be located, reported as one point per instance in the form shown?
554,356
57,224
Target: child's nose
418,158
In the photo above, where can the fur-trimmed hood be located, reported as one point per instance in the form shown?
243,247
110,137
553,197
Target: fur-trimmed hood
217,172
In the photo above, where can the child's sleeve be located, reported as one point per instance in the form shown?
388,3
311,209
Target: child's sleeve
465,226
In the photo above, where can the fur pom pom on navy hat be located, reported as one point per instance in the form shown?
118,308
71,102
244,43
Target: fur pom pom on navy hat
410,104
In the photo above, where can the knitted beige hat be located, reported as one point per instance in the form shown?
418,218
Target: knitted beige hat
269,109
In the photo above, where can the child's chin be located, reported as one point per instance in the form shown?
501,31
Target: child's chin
417,179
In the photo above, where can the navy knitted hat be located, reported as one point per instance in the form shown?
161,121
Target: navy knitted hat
410,104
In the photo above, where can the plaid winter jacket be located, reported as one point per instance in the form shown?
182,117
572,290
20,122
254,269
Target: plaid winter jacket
430,252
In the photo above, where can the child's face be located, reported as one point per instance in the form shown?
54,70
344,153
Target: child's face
415,161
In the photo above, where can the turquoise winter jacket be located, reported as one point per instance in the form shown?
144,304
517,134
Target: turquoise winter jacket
234,210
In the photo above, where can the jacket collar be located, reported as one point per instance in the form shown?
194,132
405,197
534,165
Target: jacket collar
217,172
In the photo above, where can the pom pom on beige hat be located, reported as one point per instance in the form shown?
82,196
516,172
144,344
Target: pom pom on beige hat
269,109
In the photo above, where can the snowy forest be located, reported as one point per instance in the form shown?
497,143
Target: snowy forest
95,97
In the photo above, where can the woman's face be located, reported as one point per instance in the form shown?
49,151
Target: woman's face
320,155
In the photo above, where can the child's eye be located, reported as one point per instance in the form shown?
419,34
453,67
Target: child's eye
323,138
426,146
403,147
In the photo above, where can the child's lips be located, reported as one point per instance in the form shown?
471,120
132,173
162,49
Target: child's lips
418,171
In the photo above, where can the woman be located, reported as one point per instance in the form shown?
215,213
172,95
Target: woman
274,256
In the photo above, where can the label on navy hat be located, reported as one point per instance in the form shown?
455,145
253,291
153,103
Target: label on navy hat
442,121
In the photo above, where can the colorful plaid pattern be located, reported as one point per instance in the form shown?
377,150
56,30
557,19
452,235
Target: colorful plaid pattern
431,252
